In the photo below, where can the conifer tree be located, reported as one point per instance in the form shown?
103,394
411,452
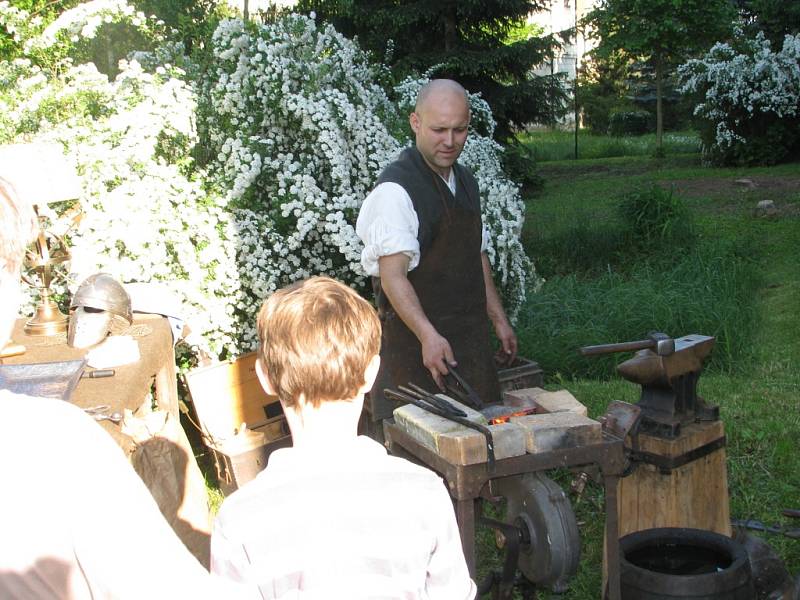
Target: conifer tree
486,46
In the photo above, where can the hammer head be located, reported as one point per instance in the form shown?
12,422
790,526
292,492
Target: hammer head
663,344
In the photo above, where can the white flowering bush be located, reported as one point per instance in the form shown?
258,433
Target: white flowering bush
748,100
229,182
296,132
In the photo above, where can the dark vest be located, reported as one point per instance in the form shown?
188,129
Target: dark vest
448,282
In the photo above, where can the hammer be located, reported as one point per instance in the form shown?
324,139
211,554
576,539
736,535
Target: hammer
660,342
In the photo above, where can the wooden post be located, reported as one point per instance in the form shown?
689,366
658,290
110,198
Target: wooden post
693,495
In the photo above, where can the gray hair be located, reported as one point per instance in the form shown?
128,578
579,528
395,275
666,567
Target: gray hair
17,227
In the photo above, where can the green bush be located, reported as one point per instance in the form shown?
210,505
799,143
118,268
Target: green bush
519,163
746,100
597,103
710,290
629,122
656,217
583,248
769,141
650,221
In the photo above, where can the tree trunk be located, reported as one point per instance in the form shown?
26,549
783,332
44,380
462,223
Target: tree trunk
450,40
659,109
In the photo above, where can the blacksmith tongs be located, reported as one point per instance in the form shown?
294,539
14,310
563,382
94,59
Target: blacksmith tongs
457,385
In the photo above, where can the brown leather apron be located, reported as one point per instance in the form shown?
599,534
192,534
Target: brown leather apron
450,286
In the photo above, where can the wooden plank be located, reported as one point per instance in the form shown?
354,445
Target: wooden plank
693,495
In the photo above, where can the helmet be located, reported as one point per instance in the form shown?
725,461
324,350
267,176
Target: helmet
99,305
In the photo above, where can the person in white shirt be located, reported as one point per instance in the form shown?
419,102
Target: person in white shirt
334,516
424,246
76,521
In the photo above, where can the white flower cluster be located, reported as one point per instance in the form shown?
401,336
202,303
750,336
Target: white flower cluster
144,218
84,20
296,131
17,22
740,83
293,120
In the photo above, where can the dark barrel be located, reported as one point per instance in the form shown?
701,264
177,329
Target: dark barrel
668,563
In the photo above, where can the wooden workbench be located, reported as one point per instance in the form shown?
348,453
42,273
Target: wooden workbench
467,484
131,385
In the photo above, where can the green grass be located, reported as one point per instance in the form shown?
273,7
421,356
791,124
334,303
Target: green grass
549,145
707,290
597,287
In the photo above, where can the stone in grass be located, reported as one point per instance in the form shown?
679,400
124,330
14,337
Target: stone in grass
766,208
548,402
556,431
457,443
747,184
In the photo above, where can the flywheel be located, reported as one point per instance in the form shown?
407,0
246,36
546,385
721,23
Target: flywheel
550,545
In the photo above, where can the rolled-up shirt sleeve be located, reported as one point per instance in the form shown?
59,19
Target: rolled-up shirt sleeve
387,224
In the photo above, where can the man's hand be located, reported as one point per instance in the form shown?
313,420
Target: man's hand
437,356
506,335
508,343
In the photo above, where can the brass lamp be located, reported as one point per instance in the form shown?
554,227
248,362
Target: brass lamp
42,175
42,261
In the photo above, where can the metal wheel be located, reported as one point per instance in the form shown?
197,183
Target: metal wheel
550,548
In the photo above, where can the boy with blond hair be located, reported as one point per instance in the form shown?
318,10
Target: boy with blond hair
334,516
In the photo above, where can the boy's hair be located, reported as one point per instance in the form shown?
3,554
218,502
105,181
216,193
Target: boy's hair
17,227
316,338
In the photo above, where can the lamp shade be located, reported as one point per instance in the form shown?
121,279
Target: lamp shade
39,172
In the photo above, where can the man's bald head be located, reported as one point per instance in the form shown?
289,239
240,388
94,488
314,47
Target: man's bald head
438,88
440,123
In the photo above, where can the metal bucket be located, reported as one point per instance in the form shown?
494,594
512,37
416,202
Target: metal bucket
669,563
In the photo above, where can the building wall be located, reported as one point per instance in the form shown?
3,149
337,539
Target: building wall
561,16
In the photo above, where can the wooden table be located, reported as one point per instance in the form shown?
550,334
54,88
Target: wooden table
468,483
131,385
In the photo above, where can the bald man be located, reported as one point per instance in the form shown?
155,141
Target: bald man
424,246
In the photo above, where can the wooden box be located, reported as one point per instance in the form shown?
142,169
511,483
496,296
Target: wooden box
241,424
522,373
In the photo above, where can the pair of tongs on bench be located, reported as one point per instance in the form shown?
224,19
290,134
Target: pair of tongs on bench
413,394
495,413
456,385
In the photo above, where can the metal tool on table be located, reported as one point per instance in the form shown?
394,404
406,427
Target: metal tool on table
458,386
495,413
423,400
98,374
462,391
668,371
49,380
103,413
